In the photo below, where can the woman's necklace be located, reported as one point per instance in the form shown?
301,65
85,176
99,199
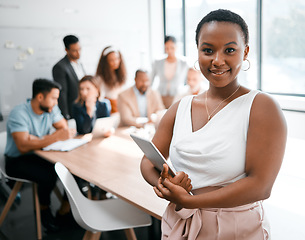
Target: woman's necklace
206,103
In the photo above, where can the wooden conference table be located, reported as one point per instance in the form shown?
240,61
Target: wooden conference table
113,164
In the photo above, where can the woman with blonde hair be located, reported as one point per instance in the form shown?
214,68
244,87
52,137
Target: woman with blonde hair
87,107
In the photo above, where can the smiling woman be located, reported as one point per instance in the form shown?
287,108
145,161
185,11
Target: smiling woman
228,141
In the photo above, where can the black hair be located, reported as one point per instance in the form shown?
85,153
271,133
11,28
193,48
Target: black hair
44,86
170,38
222,15
140,71
70,39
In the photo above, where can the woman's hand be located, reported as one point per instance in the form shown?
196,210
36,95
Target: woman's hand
171,192
173,188
180,179
109,132
90,105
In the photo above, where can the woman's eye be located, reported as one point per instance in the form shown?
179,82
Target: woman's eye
207,50
230,50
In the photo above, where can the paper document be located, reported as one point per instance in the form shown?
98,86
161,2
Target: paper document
66,145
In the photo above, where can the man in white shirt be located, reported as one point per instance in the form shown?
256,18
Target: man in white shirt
67,72
139,103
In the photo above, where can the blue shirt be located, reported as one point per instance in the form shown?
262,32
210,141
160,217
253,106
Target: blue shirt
23,119
142,102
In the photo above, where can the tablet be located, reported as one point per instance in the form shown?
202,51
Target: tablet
153,154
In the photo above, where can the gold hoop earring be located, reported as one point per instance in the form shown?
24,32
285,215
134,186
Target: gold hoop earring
248,66
195,65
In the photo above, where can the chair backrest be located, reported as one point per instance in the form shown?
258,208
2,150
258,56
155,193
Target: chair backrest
3,136
2,149
73,192
102,215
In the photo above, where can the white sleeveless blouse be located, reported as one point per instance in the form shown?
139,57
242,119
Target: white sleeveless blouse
214,155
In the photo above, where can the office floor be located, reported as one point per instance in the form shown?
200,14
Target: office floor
20,222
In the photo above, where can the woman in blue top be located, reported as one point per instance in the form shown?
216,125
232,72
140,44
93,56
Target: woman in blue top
87,107
85,111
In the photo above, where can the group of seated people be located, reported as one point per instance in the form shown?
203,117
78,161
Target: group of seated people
29,126
137,105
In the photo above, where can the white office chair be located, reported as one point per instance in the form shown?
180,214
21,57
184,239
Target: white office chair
16,188
102,215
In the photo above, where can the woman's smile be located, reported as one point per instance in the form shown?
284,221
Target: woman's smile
219,72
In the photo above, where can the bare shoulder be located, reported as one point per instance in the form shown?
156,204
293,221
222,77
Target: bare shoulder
265,105
267,114
168,120
164,133
171,112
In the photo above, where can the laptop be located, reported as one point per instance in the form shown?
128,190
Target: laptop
103,125
153,154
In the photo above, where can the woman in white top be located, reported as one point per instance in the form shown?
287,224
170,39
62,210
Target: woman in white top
229,141
171,72
111,72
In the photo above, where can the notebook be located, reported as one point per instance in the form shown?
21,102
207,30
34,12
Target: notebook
67,145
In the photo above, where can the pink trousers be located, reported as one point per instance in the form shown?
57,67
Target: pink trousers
245,222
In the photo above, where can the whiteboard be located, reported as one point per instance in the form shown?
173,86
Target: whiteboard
48,48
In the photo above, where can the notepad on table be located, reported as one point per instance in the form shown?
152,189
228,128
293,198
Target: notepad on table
67,145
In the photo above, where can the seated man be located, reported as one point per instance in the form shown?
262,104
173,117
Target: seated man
28,128
139,104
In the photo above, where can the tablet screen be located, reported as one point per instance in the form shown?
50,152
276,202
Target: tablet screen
153,154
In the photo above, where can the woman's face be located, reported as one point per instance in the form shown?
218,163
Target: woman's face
114,61
88,91
221,51
170,48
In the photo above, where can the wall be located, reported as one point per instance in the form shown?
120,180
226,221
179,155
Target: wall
31,34
134,26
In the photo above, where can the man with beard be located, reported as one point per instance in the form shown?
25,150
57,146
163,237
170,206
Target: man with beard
28,129
67,72
139,104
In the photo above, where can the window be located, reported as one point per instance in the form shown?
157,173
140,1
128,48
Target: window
283,47
174,22
277,49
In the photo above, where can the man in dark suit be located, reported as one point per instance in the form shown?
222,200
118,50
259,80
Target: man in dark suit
67,72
